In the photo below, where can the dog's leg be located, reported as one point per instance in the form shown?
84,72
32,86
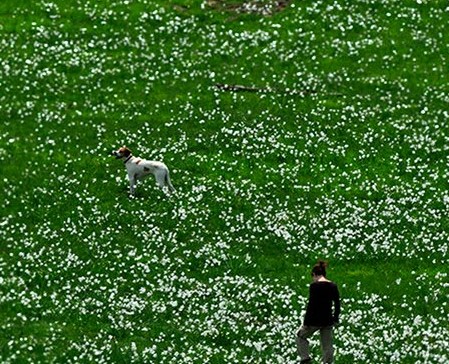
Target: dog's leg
132,184
168,182
161,179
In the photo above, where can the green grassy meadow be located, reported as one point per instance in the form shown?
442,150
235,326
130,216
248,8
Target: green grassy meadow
294,131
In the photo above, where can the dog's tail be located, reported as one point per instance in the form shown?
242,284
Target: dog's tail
168,182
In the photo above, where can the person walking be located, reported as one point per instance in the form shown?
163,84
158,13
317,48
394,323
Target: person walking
319,316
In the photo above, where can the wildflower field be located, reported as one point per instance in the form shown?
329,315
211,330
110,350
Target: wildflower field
294,131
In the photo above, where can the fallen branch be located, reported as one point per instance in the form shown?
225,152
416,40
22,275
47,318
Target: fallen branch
242,88
267,7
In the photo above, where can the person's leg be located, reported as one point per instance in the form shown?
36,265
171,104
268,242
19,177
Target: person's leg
302,343
327,345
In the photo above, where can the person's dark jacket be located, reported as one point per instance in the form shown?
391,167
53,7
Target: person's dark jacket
319,308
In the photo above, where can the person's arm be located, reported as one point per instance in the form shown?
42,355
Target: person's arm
307,316
336,317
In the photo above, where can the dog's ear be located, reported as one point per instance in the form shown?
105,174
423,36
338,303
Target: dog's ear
126,151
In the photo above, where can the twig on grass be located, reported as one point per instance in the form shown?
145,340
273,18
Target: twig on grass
267,7
242,88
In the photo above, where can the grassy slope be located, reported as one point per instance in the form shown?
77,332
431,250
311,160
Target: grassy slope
358,178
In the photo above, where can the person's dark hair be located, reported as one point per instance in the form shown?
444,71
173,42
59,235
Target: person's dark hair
319,269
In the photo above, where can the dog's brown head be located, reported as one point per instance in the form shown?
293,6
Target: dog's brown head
122,152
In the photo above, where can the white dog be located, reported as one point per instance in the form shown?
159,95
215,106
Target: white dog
140,168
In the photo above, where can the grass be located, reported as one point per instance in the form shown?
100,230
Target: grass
268,182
